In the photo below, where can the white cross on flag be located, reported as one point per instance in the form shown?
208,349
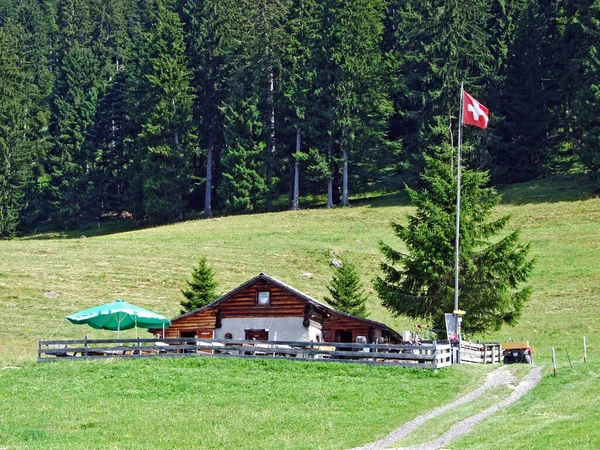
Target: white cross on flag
474,113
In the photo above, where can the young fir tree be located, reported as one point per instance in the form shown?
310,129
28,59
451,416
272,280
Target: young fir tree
201,290
346,289
420,283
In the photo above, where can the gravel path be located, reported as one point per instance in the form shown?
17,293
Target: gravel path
497,377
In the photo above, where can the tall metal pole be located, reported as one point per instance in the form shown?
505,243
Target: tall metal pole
458,164
457,312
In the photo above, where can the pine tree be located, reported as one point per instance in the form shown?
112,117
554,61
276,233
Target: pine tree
420,283
212,36
529,141
436,45
357,98
201,290
243,184
70,189
587,106
33,26
165,112
299,78
14,148
346,290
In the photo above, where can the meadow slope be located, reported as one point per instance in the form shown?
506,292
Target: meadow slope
342,405
148,267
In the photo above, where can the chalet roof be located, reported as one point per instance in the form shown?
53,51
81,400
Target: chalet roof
316,303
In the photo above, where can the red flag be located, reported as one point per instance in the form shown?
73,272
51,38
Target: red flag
474,113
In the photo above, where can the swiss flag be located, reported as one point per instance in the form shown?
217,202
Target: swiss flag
474,113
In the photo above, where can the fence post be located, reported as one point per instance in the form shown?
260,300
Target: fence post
39,349
554,360
139,345
85,347
584,351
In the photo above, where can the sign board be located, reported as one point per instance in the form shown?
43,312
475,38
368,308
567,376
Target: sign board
452,326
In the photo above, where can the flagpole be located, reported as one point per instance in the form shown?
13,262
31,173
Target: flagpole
458,172
457,239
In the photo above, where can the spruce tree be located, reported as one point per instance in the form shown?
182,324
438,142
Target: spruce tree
212,35
299,79
419,283
436,45
14,148
346,290
70,189
201,290
165,113
357,98
528,135
587,104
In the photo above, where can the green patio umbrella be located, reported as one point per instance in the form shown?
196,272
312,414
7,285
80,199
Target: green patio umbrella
119,315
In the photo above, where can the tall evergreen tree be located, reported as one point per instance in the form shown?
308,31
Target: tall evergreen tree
357,97
243,184
436,45
69,188
166,111
14,149
213,40
420,283
33,26
530,98
587,105
299,80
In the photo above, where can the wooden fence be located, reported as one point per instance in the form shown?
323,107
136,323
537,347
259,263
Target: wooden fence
432,355
483,353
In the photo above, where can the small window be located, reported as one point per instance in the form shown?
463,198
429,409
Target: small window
264,298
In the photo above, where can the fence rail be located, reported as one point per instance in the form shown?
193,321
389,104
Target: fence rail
432,355
480,353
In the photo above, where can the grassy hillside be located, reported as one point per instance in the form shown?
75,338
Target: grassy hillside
148,267
336,406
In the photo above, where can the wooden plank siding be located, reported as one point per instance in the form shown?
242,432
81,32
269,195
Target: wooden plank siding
336,323
284,302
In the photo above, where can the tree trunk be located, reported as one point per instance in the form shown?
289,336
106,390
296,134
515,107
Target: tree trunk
270,141
345,201
295,202
330,180
208,185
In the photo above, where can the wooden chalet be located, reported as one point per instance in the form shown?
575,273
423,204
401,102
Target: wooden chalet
264,308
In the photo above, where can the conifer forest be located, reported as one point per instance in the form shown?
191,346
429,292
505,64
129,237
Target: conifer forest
161,109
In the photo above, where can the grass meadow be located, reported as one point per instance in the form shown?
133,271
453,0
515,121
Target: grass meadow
284,404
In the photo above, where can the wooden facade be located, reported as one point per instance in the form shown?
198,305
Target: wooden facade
264,308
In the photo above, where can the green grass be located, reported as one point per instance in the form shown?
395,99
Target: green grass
213,403
560,217
561,413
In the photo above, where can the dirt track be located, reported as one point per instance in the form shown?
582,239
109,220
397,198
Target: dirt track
498,377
